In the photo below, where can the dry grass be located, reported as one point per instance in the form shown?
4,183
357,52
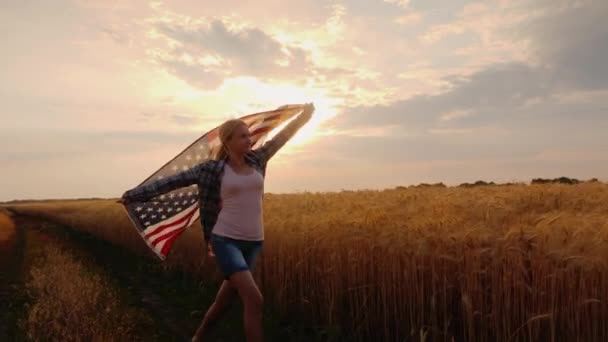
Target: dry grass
7,229
72,303
518,262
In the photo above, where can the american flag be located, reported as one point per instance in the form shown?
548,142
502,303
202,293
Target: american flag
160,220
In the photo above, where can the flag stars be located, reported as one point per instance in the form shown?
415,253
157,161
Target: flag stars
150,209
143,216
160,210
139,209
163,217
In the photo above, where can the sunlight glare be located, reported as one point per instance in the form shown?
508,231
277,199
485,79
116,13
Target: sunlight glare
269,96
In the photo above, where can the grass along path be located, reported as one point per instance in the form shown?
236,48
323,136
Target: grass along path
150,302
66,298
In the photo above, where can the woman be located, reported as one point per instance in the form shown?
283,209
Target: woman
237,233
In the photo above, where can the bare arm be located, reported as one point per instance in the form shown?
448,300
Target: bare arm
164,185
270,147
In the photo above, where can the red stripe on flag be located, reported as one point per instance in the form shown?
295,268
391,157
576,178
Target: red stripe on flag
165,250
212,135
170,238
161,228
274,116
262,130
166,235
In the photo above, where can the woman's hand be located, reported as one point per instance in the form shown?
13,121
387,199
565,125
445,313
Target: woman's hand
306,114
308,109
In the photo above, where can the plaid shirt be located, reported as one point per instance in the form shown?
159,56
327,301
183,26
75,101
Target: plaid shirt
208,176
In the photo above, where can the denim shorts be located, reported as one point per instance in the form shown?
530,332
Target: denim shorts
233,255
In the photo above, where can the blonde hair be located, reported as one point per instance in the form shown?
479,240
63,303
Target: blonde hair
225,133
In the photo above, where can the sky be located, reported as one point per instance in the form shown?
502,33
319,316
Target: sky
98,95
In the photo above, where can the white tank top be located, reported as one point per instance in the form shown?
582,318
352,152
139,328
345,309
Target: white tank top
241,214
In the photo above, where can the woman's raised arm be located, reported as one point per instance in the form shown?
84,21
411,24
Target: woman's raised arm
270,147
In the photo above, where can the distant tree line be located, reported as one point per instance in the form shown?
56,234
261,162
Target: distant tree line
560,180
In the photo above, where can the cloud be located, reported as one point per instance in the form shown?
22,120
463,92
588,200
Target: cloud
454,114
504,134
229,51
195,74
509,111
400,3
410,18
574,61
118,36
318,51
498,89
574,42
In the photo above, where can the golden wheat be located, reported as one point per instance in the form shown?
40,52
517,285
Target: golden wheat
494,263
73,303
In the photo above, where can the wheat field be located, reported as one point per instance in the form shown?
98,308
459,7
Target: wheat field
490,263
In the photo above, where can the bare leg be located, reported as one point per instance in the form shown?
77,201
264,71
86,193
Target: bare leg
252,300
222,301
